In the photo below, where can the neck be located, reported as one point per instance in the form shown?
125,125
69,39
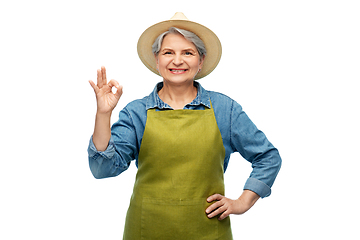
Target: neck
177,96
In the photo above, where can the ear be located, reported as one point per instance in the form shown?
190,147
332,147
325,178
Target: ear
201,62
157,61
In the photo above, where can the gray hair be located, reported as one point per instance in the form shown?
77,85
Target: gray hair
190,36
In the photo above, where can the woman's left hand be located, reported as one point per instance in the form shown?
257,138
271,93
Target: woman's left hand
226,206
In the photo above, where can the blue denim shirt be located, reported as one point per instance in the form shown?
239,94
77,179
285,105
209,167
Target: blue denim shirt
238,132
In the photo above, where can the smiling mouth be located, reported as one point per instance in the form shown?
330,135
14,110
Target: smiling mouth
178,70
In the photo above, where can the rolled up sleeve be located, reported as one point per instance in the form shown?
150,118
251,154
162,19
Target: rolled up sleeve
253,145
104,164
108,153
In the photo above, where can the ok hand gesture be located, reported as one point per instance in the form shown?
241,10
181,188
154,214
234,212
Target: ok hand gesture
105,98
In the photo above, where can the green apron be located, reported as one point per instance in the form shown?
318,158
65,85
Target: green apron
180,165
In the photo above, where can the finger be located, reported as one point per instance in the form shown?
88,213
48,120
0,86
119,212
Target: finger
217,212
96,89
103,72
119,91
113,83
224,215
214,197
99,79
214,206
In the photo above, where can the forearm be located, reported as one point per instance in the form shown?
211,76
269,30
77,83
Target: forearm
249,198
119,146
102,131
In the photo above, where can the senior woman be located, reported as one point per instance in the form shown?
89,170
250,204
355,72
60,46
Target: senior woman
181,137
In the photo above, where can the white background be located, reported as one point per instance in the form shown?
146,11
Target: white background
292,65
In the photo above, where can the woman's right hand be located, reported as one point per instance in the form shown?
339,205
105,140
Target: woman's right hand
105,98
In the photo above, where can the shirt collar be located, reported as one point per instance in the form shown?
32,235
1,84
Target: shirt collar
154,101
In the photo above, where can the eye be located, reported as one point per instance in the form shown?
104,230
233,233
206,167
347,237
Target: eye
188,53
167,52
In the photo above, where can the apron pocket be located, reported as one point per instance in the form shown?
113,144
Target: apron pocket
177,219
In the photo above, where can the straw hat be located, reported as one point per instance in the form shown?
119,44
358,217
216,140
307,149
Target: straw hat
211,41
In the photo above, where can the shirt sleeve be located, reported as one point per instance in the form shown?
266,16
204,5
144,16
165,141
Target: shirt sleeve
121,150
253,145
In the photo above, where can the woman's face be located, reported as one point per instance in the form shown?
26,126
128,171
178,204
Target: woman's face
178,60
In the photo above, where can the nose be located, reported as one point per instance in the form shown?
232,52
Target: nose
177,59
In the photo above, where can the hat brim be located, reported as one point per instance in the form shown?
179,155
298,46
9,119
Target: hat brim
211,41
